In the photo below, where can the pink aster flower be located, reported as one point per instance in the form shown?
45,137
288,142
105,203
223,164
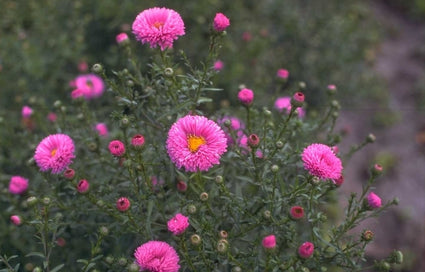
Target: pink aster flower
282,73
246,96
306,250
297,212
116,148
18,185
52,117
218,65
69,173
283,104
157,256
158,27
26,112
221,22
196,143
122,37
83,186
374,200
321,161
55,153
178,224
89,86
102,129
138,140
269,242
123,204
16,220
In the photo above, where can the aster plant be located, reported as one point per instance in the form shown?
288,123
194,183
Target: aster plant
168,182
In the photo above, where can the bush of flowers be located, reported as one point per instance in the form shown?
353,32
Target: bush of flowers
139,171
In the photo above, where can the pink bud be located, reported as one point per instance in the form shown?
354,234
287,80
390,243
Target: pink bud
246,96
181,186
306,250
297,212
138,140
299,97
18,185
69,173
16,220
282,73
218,65
332,87
374,200
83,186
102,129
116,148
123,204
338,182
122,37
82,66
253,140
26,112
269,242
61,242
221,22
52,117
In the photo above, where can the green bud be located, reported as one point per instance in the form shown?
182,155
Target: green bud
370,138
104,230
279,144
195,239
335,104
57,104
191,209
222,246
37,269
109,259
267,214
122,261
46,200
203,196
133,267
267,113
396,257
32,200
92,146
335,114
274,168
396,201
130,83
100,203
125,122
168,71
236,269
305,269
219,179
29,267
63,109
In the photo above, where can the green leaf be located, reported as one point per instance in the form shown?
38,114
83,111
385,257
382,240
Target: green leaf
36,254
204,100
57,268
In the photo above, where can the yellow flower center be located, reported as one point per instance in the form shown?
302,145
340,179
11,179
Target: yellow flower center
53,153
158,24
194,142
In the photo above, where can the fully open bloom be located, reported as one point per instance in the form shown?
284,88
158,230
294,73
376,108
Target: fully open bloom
116,148
89,86
269,242
306,250
178,224
221,22
158,27
157,256
18,185
196,143
55,153
246,96
321,161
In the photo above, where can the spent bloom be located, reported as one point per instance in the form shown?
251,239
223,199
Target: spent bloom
88,86
306,250
374,200
16,220
221,22
158,27
18,185
55,153
178,224
26,112
116,148
321,161
297,212
269,242
196,143
246,96
157,256
102,129
122,37
123,204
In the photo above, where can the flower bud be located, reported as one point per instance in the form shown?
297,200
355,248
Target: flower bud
297,212
338,182
83,186
382,266
97,68
246,96
377,169
203,196
124,122
274,168
138,140
133,268
32,200
191,209
92,146
61,242
57,104
223,234
279,144
306,250
335,104
181,186
370,138
222,246
109,259
367,235
69,173
395,201
253,140
168,72
195,239
103,230
374,201
267,214
297,100
37,269
122,261
100,203
16,220
236,269
396,257
331,89
46,200
269,242
219,179
130,83
123,204
122,38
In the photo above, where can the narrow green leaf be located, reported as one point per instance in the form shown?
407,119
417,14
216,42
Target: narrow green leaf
57,268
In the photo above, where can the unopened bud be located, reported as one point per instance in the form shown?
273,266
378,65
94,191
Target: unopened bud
31,201
367,235
396,201
181,186
104,230
195,239
122,261
57,104
335,104
222,246
203,196
191,209
219,179
124,122
97,68
223,234
370,138
133,267
267,214
46,200
109,259
253,140
396,257
37,269
377,169
297,100
168,71
279,144
274,168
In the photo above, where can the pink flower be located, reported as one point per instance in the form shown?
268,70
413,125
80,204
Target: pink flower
253,140
269,242
122,37
321,161
221,22
123,204
283,104
218,65
196,143
181,186
83,186
16,220
247,36
246,96
158,27
138,140
339,181
89,86
18,185
55,153
26,112
306,250
82,66
156,182
331,87
297,212
116,148
282,73
102,129
374,200
157,256
178,224
52,117
299,97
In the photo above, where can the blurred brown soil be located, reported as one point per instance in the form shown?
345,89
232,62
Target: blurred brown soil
403,226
